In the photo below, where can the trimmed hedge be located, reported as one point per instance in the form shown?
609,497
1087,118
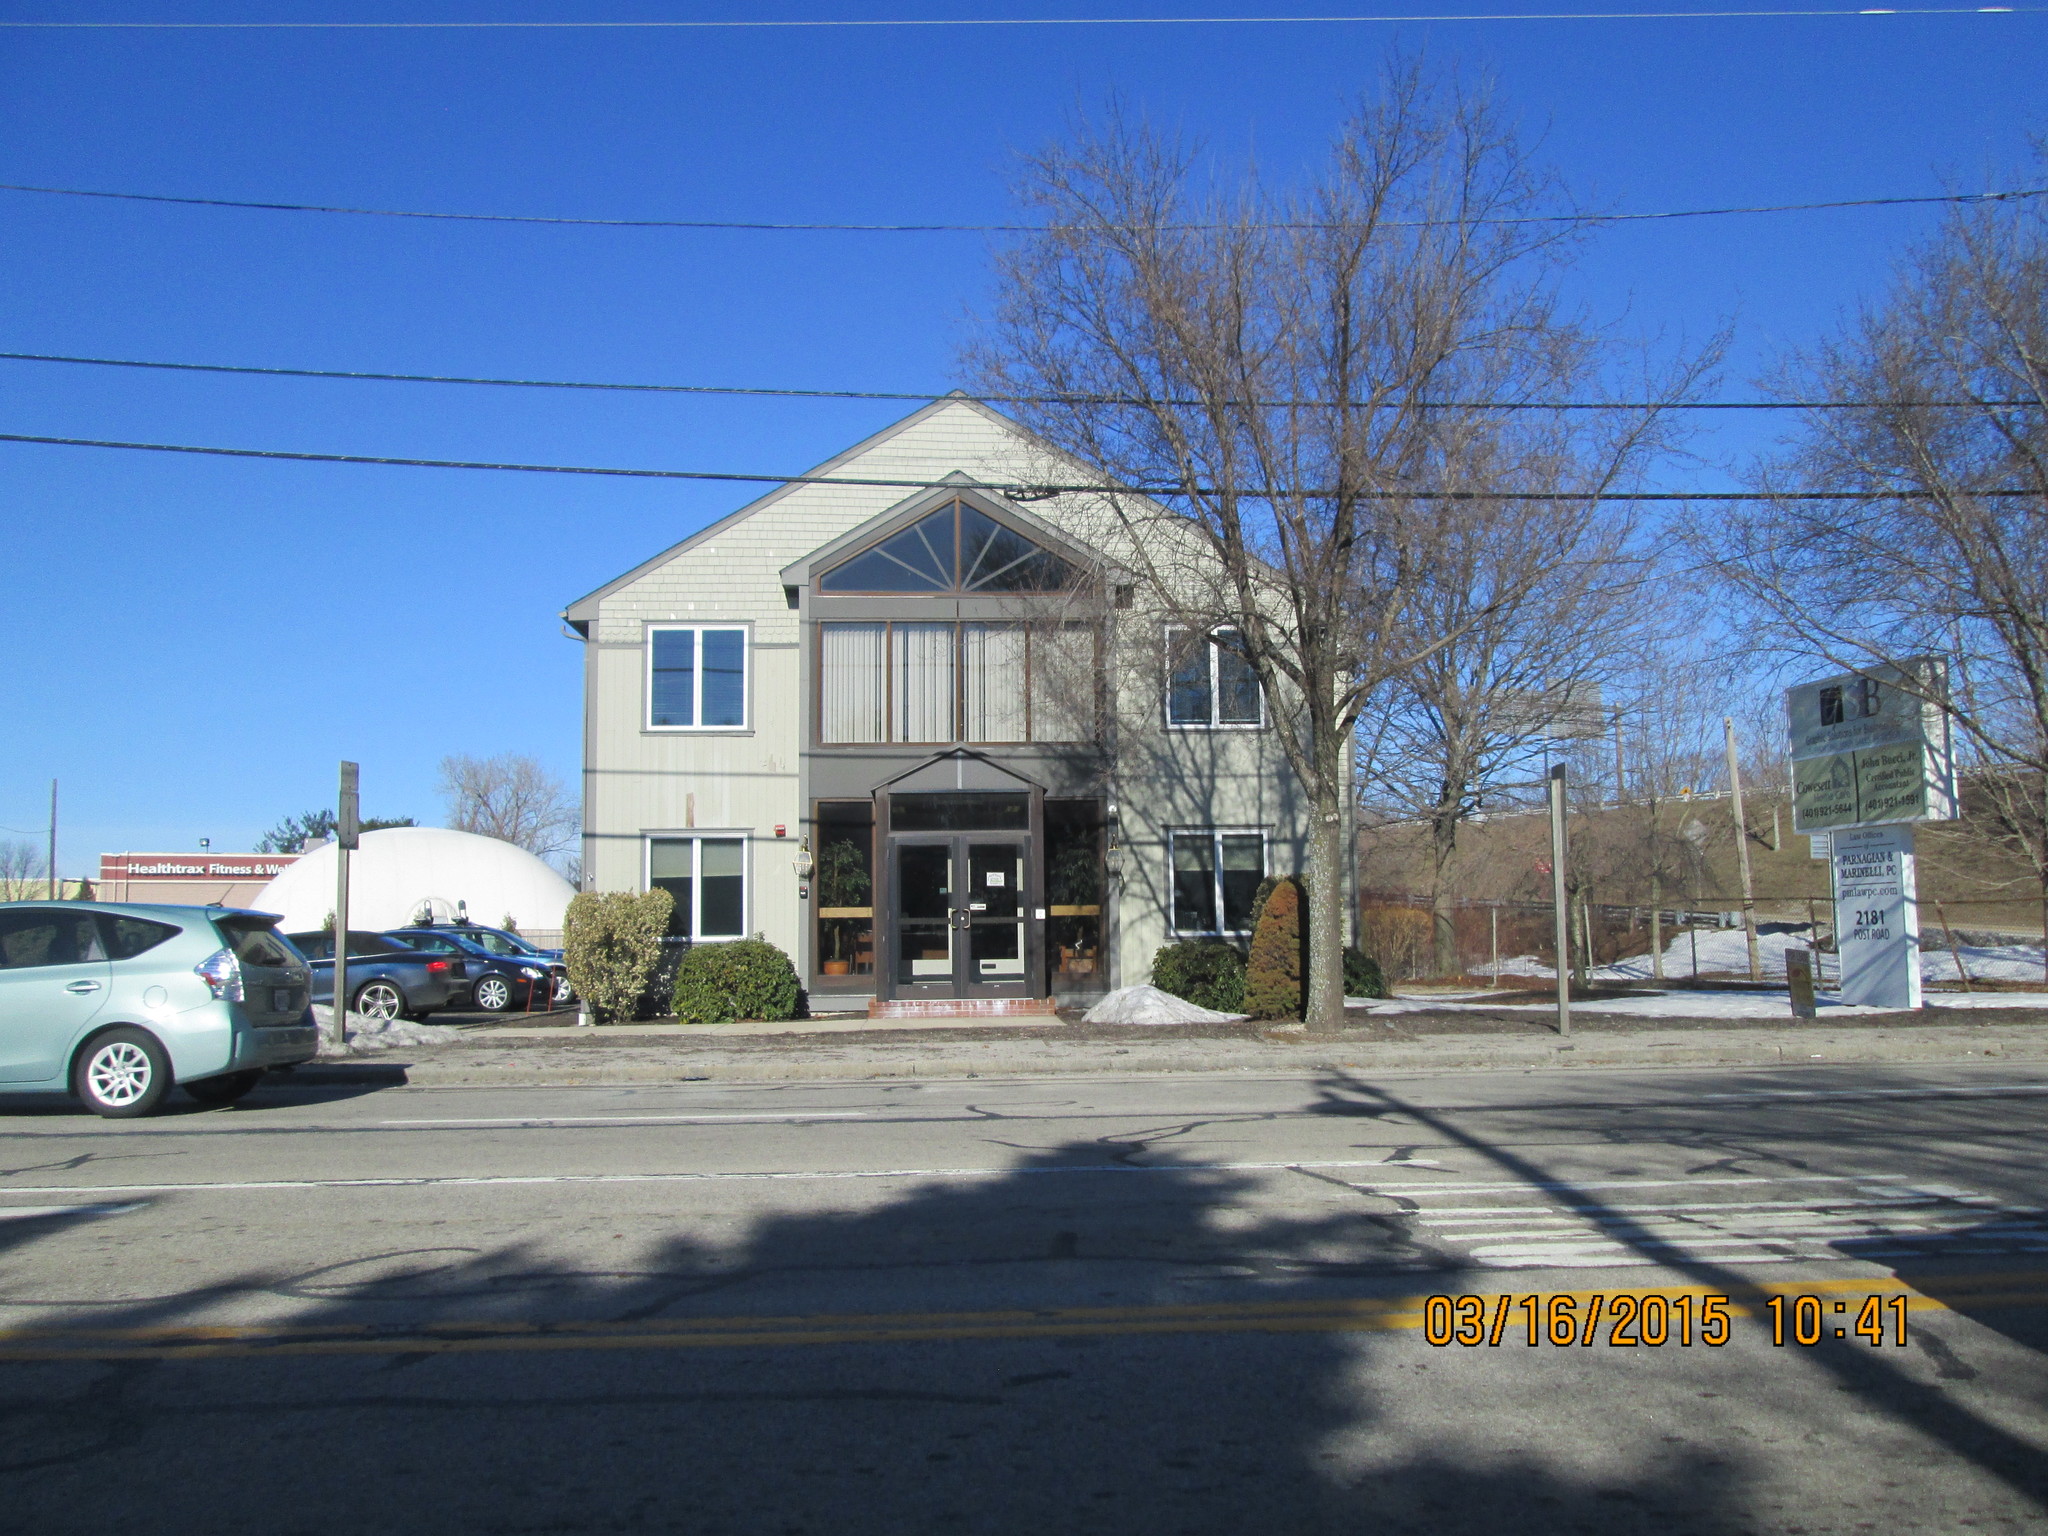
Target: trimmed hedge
1207,972
737,979
1274,975
612,943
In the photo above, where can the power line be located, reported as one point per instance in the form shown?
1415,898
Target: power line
1025,490
925,395
994,21
790,227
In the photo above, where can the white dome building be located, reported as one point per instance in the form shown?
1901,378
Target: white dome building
399,870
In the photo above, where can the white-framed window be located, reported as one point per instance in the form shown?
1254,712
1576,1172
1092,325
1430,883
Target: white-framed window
706,873
1216,872
1211,685
696,677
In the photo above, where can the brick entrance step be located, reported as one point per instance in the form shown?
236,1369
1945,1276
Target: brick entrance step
958,1007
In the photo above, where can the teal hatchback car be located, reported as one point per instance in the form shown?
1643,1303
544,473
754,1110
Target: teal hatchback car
116,1003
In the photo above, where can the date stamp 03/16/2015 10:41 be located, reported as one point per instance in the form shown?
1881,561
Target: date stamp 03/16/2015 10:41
1631,1321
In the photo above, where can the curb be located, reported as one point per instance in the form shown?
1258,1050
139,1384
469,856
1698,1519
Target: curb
570,1066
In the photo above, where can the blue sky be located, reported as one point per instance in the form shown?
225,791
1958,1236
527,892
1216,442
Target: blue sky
193,643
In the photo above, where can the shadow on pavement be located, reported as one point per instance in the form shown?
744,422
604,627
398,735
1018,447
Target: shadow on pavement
696,1384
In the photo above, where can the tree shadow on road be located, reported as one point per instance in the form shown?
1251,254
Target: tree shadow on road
513,1389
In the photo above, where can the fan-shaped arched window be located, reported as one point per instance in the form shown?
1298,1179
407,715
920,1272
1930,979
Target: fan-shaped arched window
955,549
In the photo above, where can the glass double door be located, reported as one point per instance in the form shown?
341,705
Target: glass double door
962,924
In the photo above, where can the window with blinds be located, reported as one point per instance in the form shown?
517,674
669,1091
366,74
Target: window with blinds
942,683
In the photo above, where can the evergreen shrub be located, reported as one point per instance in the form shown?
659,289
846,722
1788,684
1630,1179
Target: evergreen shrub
1275,973
1207,972
737,979
1362,976
611,944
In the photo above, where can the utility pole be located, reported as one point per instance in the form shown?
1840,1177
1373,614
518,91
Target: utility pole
1657,927
347,834
52,870
1756,972
1560,912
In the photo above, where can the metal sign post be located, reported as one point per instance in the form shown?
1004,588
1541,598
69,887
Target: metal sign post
347,834
1557,897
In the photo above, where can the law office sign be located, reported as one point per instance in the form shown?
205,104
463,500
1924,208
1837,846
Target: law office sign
1877,917
1872,748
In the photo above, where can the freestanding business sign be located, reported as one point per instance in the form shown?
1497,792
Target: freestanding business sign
1869,749
1877,917
1871,755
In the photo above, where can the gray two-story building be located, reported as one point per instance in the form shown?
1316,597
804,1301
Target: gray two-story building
948,749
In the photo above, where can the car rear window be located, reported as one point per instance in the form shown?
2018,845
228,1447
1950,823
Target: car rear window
127,937
255,941
45,936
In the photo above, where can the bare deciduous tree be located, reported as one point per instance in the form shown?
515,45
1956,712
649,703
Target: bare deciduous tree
23,873
1540,611
1945,446
1279,369
512,798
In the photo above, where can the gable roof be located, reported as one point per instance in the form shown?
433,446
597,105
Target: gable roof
959,485
579,614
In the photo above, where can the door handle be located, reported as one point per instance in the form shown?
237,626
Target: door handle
82,986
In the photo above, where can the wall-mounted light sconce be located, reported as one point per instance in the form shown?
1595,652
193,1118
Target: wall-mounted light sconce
802,862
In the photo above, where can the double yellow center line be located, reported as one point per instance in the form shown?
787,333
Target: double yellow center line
1390,1314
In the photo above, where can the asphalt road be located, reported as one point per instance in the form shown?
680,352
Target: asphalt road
1121,1305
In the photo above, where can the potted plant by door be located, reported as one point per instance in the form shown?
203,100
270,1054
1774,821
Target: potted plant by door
842,882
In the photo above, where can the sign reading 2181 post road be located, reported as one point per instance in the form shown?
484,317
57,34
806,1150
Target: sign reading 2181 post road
1871,755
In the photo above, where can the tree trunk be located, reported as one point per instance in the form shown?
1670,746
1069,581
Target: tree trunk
1443,921
1323,1008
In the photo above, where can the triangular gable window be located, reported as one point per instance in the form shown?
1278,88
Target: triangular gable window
955,549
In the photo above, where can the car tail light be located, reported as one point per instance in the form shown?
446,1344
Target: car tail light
223,973
437,966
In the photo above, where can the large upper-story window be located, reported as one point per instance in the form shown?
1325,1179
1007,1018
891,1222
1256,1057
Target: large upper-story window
955,549
1211,683
941,683
696,677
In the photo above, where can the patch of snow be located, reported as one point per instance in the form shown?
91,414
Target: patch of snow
1149,1005
1725,951
1705,1004
368,1036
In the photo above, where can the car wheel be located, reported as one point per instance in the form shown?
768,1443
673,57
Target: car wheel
564,993
122,1074
225,1089
493,994
380,1000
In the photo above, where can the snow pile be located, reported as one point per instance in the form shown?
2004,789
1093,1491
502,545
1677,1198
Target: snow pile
366,1036
1149,1005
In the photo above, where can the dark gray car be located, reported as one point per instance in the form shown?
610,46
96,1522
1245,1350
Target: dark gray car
387,978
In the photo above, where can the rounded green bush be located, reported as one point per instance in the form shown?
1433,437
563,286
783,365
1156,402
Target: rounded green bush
1362,977
1207,972
738,979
